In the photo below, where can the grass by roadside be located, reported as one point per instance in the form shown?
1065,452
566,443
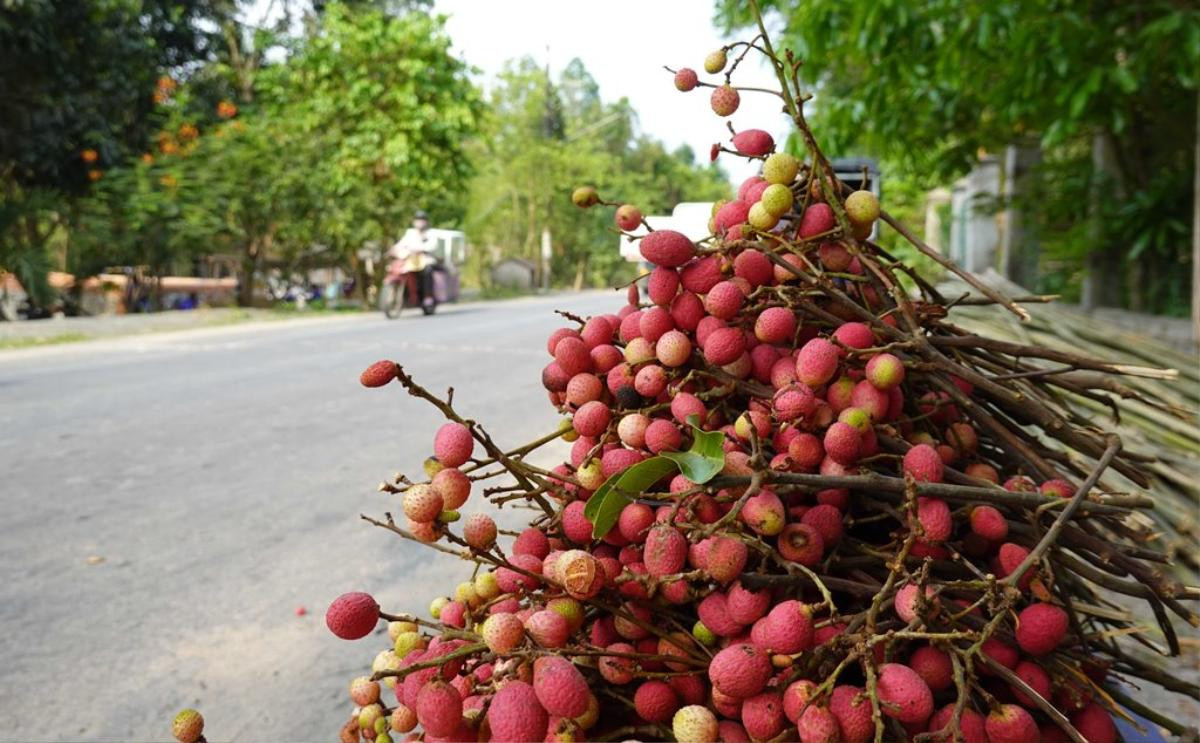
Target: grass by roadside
49,340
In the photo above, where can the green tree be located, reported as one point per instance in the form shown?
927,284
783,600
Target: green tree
1106,88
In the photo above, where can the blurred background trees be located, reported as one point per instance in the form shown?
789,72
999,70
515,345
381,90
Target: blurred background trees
1089,107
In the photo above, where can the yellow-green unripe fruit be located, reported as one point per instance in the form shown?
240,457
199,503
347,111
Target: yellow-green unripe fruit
408,642
704,634
862,208
432,467
395,629
761,219
435,606
777,199
780,168
465,592
585,196
368,716
486,586
449,517
567,430
715,62
589,475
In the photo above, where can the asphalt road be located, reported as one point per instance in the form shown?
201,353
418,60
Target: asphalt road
168,501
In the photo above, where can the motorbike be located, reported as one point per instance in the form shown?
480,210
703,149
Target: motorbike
402,289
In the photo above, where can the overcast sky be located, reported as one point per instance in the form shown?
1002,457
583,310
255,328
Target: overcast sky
624,45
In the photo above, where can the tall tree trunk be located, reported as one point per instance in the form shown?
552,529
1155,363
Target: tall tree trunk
249,268
1102,279
1196,234
1018,248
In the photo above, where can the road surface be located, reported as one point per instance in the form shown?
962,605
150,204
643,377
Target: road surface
168,501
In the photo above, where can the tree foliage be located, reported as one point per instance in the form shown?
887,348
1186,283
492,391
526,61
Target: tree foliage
928,86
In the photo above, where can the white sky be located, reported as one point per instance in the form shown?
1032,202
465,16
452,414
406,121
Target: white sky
624,45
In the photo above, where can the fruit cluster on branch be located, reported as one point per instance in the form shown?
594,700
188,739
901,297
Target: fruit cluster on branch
800,503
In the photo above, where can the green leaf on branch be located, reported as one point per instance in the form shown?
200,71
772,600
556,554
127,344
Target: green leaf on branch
706,457
604,507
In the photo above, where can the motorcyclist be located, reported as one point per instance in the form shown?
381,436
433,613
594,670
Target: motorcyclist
415,249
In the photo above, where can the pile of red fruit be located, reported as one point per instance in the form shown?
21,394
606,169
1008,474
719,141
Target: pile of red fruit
799,504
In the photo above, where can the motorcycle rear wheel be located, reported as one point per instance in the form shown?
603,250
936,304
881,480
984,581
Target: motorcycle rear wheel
391,300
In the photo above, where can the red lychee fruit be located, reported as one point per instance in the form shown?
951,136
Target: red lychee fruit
1057,487
731,213
378,374
834,257
856,335
686,79
989,523
1095,724
654,322
548,628
575,525
983,471
694,724
817,362
453,445
726,558
827,520
762,715
650,381
685,405
502,632
923,463
794,401
806,451
904,694
724,346
713,611
745,606
531,541
673,349
753,143
1009,558
906,604
970,725
788,628
479,531
554,378
700,275
666,551
422,503
439,708
1041,627
934,666
935,519
754,266
852,710
663,435
842,443
352,615
817,218
885,371
516,714
775,325
453,486
725,100
724,300
817,724
573,356
801,543
740,670
1036,678
999,651
559,686
667,248
511,581
618,460
596,331
764,513
655,701
662,286
1011,724
635,521
628,217
617,669
591,419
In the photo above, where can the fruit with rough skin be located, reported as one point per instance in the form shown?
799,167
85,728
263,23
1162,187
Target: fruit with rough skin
634,522
801,543
188,726
454,487
617,669
364,691
817,219
352,615
1095,724
827,520
479,531
724,346
764,513
1036,678
686,79
862,208
591,419
775,325
793,401
403,718
1057,487
666,550
422,503
453,445
970,725
753,142
852,709
924,463
694,724
885,371
761,219
655,701
903,694
740,670
628,217
548,628
1000,652
935,519
817,724
668,248
776,199
1041,628
1010,723
934,666
842,443
673,349
725,100
745,605
989,523
762,715
726,558
439,708
559,686
724,300
817,362
906,603
781,167
834,256
515,713
378,374
730,214
787,628
715,62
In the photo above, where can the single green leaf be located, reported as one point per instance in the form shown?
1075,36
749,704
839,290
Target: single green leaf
706,457
604,507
